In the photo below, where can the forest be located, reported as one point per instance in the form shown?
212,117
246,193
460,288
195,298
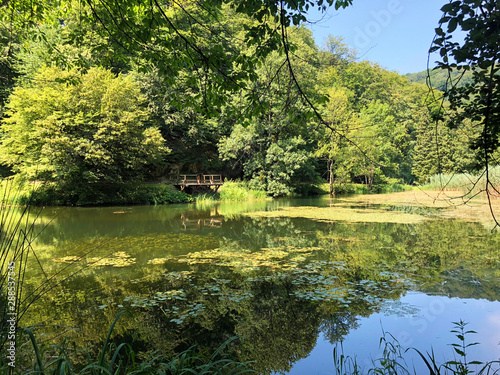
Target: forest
98,96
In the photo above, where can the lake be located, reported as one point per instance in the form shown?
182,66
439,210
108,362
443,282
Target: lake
295,278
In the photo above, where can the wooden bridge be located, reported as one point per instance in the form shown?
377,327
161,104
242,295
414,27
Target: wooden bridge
185,180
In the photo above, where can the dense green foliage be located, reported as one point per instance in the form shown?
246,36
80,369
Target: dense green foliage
441,79
116,93
87,132
477,101
103,194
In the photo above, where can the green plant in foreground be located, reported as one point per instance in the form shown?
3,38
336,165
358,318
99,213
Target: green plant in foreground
344,364
392,361
17,233
460,365
121,359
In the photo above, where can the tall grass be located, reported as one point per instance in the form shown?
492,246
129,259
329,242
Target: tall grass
17,233
120,358
466,183
239,191
232,191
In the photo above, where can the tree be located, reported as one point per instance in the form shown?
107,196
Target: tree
273,144
90,130
334,146
191,134
371,121
176,36
440,149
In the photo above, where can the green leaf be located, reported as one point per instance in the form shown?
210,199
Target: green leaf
452,25
439,31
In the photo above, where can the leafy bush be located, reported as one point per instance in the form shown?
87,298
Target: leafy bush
392,188
307,189
340,189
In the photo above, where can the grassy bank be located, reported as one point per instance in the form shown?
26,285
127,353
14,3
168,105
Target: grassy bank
240,191
51,194
46,194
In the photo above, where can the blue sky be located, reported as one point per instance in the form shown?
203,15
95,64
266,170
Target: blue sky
394,33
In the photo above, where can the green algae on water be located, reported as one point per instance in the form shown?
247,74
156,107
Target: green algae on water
338,213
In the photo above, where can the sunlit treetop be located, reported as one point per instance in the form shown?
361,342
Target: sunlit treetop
177,35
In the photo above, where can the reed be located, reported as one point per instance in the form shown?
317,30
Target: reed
232,191
17,233
120,358
468,184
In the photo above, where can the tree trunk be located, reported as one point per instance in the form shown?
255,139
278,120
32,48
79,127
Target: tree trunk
330,172
330,161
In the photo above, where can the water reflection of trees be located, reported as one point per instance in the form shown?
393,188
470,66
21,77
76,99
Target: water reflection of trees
337,326
345,271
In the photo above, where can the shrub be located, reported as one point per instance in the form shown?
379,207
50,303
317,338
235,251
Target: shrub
103,194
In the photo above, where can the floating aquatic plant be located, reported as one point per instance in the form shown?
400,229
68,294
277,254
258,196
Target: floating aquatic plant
158,261
119,259
284,257
339,213
67,259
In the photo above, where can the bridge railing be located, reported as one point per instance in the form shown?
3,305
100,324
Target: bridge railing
200,179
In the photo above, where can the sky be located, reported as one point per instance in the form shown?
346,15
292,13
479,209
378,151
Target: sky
396,34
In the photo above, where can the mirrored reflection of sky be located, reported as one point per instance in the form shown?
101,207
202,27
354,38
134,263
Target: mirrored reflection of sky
417,321
396,34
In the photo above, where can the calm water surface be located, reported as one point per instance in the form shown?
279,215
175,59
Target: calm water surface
293,288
